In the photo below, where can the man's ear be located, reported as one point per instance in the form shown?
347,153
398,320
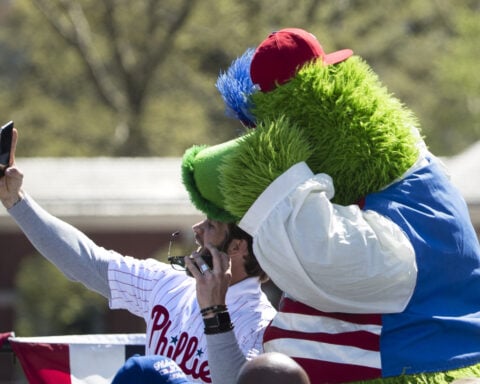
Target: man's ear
238,246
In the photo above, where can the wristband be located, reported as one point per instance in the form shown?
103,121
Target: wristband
218,324
214,309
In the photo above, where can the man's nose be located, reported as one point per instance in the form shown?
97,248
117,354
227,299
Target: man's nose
196,228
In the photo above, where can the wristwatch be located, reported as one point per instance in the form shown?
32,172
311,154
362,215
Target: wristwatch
218,324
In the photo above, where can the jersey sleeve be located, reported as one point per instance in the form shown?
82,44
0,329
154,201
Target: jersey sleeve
251,312
132,282
249,332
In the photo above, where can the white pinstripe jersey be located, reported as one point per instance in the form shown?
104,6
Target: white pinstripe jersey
166,299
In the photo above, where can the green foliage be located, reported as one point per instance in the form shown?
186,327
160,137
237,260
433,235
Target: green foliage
49,304
150,89
459,86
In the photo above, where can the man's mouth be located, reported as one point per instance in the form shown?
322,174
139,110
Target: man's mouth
201,249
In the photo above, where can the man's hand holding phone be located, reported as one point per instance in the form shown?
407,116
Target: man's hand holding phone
10,177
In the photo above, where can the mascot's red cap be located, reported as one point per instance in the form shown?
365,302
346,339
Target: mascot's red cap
282,53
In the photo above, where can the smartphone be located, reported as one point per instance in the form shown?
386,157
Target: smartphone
6,133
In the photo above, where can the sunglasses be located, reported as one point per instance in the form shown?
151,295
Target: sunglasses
177,262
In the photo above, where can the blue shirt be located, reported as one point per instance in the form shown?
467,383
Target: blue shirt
440,327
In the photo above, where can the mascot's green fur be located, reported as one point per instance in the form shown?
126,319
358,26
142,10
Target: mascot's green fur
339,119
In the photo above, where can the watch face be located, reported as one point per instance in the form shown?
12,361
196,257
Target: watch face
211,322
220,322
221,319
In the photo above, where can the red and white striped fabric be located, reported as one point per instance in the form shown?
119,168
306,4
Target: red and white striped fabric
334,347
76,359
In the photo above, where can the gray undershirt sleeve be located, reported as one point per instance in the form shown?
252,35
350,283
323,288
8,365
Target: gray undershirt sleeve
77,256
225,357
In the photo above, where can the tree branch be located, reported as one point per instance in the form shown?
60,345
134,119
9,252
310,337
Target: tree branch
78,34
55,19
157,51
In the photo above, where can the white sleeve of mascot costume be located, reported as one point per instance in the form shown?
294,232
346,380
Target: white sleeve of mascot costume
333,258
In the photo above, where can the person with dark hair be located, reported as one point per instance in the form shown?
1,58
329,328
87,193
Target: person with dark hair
177,324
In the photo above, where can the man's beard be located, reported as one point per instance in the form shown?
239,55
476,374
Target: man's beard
207,256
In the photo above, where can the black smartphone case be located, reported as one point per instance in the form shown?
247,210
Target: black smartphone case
5,146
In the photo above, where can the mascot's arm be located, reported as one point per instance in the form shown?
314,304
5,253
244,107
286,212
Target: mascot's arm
333,258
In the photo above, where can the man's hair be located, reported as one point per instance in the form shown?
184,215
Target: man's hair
251,264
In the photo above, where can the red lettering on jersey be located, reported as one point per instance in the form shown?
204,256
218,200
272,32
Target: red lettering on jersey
161,323
189,353
182,351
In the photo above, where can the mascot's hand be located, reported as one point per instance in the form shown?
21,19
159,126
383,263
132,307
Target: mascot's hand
261,156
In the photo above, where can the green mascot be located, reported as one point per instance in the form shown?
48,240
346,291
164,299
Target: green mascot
351,217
